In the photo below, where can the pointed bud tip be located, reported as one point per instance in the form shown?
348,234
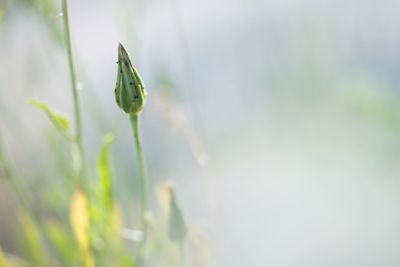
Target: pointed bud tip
121,48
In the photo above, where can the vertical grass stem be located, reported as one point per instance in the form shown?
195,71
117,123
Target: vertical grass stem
76,103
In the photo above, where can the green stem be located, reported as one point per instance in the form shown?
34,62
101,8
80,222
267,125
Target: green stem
78,154
77,109
143,183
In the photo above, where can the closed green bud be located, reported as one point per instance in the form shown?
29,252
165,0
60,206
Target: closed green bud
129,90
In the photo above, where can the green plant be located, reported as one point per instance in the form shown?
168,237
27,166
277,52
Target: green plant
130,96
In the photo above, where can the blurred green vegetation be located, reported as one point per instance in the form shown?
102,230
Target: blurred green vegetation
71,223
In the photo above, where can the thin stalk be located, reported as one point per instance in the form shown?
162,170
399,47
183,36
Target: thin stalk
78,154
76,102
134,118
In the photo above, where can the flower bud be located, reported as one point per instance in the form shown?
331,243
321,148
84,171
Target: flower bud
129,91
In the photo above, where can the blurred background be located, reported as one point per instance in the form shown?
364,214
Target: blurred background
277,121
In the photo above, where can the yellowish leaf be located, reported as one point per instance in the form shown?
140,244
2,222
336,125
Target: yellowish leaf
163,190
80,222
3,260
177,228
60,122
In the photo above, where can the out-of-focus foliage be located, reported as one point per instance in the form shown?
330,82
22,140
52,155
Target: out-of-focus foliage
3,259
177,229
80,222
60,122
106,221
64,244
105,187
33,241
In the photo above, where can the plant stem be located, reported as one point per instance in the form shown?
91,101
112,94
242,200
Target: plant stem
78,153
143,182
77,109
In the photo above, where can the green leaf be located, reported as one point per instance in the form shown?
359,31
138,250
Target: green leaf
63,243
177,228
33,240
102,202
104,171
60,122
